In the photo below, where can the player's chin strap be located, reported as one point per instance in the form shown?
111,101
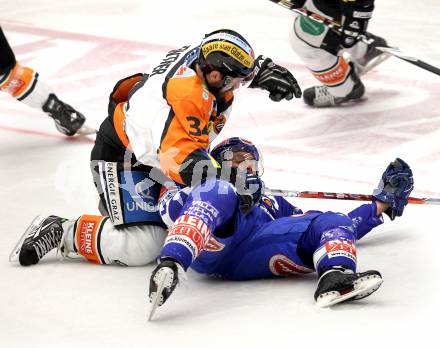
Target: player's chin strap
343,196
336,26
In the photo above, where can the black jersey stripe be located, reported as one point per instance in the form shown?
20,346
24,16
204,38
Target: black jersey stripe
170,74
98,240
29,91
4,77
173,70
170,118
136,87
75,225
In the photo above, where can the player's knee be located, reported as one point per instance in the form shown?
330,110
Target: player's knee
297,42
7,56
133,245
6,68
338,226
7,62
215,199
171,203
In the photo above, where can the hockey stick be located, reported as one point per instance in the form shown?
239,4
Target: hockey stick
343,196
336,26
312,15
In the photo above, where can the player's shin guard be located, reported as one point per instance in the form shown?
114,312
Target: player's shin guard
20,82
23,84
335,262
87,237
186,239
207,207
97,240
336,249
341,84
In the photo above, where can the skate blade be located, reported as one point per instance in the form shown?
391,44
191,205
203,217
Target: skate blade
86,130
166,277
363,287
35,224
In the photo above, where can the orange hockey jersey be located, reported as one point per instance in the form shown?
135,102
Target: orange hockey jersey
168,118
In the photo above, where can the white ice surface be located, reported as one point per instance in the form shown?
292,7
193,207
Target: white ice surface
83,47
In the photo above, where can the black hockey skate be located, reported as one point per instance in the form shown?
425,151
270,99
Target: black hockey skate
320,96
373,57
42,235
67,120
338,285
163,281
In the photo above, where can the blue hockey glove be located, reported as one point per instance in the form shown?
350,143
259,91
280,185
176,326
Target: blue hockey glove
274,78
250,188
394,188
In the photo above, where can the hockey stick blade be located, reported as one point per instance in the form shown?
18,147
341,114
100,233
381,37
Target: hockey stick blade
306,13
341,196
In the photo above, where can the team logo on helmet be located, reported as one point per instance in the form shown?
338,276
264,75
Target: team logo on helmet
268,202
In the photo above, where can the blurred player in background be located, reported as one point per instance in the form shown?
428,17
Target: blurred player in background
325,52
23,84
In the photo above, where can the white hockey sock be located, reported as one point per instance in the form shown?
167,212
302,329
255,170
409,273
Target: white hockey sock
38,96
68,237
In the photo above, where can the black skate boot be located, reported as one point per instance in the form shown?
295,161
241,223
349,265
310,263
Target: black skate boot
67,120
373,57
163,281
320,96
338,285
42,235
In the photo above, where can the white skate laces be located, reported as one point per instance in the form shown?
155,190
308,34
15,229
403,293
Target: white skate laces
323,97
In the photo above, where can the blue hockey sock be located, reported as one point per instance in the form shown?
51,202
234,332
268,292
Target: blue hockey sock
336,249
208,206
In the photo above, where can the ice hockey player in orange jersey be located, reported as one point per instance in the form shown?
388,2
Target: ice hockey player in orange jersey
157,136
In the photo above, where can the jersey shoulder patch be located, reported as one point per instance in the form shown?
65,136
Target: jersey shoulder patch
184,71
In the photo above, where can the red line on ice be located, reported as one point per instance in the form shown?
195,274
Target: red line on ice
80,139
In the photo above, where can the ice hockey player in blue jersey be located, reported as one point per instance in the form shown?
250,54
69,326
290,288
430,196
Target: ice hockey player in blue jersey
217,231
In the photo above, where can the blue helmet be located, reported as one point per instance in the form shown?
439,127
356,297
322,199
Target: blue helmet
225,150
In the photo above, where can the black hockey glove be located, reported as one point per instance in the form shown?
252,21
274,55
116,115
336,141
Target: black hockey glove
354,21
274,78
250,188
394,188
